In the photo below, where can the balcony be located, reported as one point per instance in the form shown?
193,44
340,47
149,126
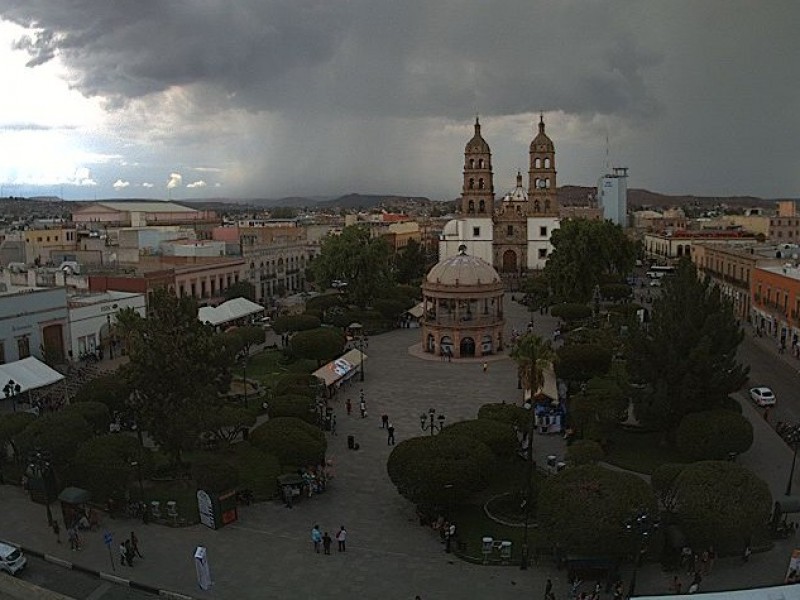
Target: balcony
450,320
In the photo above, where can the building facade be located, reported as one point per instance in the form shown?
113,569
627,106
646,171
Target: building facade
33,322
512,235
775,300
671,246
92,318
612,195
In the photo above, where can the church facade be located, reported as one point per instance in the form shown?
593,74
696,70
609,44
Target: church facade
512,235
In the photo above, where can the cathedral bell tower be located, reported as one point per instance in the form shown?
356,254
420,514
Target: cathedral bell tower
542,198
477,194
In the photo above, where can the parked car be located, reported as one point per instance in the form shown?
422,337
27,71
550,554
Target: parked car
763,396
655,283
11,559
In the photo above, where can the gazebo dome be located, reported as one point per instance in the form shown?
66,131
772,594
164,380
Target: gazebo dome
463,270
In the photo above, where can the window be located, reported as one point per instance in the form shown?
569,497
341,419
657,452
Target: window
24,346
480,183
2,352
471,206
480,163
537,163
542,253
471,184
471,163
546,163
476,232
543,231
509,230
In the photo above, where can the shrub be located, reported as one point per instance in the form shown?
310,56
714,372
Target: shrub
720,503
584,452
322,344
297,383
663,482
103,465
615,291
112,390
292,441
581,362
323,302
60,433
11,425
571,312
302,365
506,413
714,434
295,323
439,470
584,507
95,413
498,436
293,405
258,471
214,474
390,309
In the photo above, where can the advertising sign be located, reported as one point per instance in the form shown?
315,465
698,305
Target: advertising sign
206,508
202,568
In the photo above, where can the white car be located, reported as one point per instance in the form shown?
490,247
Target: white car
762,396
11,559
655,283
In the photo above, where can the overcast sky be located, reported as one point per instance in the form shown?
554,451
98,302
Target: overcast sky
270,98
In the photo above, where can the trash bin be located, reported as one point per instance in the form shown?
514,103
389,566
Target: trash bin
155,509
351,442
487,544
551,460
560,466
505,551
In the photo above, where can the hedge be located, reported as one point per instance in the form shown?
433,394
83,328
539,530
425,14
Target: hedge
295,323
714,435
571,312
292,441
498,436
103,466
584,452
506,413
293,405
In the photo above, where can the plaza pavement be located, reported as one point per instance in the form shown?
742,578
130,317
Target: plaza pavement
267,553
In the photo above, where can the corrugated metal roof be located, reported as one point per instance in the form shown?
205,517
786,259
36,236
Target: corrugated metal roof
151,207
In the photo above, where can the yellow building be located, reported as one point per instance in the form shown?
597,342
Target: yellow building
39,243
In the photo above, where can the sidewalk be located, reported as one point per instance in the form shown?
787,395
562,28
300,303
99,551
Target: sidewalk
267,553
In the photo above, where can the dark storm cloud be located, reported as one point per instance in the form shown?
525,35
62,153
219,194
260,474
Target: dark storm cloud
413,58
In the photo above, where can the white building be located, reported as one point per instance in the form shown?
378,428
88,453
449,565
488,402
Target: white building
92,316
33,322
612,196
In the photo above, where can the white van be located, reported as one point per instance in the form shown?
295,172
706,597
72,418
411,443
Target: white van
11,559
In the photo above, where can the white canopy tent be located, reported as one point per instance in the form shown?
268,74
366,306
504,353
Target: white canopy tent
29,373
783,592
226,312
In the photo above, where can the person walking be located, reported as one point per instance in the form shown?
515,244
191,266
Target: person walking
326,543
128,553
349,406
362,406
341,538
122,554
485,367
384,421
135,545
57,531
390,439
333,424
548,588
316,537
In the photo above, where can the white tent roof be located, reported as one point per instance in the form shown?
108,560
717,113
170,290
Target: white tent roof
29,373
337,369
228,311
417,310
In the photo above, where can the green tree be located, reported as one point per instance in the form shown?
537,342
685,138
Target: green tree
436,471
583,253
59,433
293,405
616,291
95,413
581,362
498,437
213,473
599,408
104,465
663,482
11,425
714,435
687,354
241,289
303,384
295,323
506,413
293,442
536,292
720,503
177,368
357,258
571,312
321,344
584,508
226,422
112,389
532,355
258,470
584,452
410,263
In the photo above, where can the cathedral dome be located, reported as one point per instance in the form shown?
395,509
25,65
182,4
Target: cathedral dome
542,143
463,270
477,145
518,194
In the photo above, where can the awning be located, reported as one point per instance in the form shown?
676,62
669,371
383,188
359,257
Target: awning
74,495
29,373
783,592
340,368
416,311
226,312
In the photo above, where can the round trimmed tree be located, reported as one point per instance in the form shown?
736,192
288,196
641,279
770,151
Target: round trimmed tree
293,405
292,441
584,452
104,465
322,344
571,312
581,362
585,508
436,471
506,413
499,437
714,435
720,503
295,323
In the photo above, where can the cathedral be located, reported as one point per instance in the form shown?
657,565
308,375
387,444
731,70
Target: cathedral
513,235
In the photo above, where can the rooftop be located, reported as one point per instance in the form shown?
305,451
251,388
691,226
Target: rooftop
145,206
100,297
789,271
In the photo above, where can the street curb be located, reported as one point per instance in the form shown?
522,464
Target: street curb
170,595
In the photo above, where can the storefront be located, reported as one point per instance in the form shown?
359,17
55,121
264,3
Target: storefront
92,318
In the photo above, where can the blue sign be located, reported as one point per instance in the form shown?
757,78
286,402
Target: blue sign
108,539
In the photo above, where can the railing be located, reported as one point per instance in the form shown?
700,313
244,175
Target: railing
462,320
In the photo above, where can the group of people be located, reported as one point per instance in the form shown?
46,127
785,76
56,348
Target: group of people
362,405
386,424
698,565
324,540
128,550
447,531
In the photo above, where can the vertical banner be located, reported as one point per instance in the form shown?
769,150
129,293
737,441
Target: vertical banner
203,570
793,572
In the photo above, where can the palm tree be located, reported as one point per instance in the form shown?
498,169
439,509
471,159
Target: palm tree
532,355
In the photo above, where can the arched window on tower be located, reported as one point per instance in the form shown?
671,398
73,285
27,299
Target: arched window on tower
536,183
471,163
471,183
536,206
546,163
471,206
480,183
547,182
547,204
480,163
537,163
482,206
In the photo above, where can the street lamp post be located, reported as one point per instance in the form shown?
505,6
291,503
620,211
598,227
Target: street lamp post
135,464
428,421
11,390
523,564
359,328
41,467
642,526
794,439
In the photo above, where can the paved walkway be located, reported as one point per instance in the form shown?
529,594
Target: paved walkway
267,554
